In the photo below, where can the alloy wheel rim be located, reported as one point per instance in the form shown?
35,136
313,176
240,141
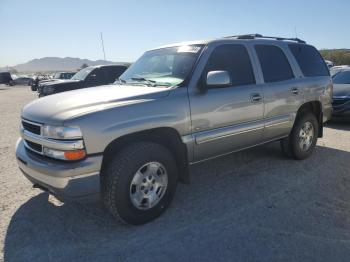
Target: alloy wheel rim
306,136
148,185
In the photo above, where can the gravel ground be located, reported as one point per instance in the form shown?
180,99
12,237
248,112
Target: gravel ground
254,205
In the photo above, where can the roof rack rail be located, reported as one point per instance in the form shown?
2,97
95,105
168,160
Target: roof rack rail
255,36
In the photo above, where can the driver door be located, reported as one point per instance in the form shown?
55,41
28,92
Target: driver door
226,119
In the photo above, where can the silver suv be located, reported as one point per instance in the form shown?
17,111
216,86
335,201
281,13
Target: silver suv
131,142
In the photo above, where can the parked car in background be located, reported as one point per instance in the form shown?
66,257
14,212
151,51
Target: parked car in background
87,77
6,78
37,80
336,69
63,75
341,95
56,76
24,80
131,142
329,63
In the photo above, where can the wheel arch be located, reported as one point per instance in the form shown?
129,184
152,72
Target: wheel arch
314,107
165,136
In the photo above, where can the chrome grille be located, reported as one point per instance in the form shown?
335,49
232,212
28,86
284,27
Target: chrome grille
34,146
31,127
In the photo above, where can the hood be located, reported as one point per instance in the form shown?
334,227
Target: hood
58,82
55,109
340,90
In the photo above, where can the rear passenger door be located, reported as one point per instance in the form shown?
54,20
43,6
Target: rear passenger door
282,95
229,118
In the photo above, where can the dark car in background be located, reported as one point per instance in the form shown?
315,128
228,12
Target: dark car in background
58,75
87,77
6,78
341,95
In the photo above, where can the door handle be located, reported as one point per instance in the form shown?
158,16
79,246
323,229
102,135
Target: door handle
255,98
294,90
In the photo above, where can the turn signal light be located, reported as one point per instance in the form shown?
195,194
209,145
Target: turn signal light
75,155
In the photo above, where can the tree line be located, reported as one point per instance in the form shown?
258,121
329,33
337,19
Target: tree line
337,56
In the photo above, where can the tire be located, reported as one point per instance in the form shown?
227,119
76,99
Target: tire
118,177
299,144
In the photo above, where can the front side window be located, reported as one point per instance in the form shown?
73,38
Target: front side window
235,60
342,78
274,63
165,66
309,60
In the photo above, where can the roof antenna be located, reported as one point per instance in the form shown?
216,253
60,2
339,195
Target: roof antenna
103,47
295,32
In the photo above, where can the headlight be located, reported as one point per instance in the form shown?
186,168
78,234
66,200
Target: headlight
48,89
61,132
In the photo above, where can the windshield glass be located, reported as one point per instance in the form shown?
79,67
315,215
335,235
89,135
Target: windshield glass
82,73
163,67
56,76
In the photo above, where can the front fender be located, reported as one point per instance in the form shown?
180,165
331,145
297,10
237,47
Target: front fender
101,128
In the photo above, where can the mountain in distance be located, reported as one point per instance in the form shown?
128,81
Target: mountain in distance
49,64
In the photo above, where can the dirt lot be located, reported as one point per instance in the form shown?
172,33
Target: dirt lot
254,205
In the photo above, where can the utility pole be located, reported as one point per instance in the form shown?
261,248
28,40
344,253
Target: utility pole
103,47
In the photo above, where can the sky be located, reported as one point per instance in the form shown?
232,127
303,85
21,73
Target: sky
37,28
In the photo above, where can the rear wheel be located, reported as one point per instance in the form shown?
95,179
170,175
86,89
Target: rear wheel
302,140
139,182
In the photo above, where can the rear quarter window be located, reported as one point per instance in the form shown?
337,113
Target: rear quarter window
309,59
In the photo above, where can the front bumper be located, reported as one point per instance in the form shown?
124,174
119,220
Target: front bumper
63,179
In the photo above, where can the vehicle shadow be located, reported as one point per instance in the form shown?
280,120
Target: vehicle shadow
252,205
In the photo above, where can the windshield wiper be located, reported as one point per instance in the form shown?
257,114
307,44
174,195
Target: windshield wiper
142,79
120,81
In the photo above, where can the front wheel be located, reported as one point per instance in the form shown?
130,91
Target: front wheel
139,182
302,140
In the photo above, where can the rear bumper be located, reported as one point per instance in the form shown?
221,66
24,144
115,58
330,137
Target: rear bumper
66,180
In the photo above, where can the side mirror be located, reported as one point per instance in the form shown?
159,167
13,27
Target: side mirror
218,79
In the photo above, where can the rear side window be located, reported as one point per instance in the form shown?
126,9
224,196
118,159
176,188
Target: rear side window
235,60
342,78
274,63
309,60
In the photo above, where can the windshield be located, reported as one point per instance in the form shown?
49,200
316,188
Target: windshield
163,67
57,75
82,73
